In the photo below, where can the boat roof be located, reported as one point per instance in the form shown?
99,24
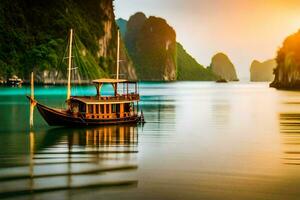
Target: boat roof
109,80
93,101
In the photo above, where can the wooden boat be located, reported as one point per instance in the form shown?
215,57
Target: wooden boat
119,108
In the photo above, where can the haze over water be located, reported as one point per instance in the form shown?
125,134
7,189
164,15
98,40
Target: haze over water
201,140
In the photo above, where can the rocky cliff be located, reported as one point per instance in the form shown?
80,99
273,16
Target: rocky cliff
262,71
287,72
151,43
133,29
33,38
223,67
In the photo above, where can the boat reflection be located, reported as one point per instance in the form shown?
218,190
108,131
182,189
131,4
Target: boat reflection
73,159
107,136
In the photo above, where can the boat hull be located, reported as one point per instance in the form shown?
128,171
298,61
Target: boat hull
62,118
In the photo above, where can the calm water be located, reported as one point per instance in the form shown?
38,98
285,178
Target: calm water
201,141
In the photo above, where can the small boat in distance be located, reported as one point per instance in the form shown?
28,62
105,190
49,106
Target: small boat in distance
119,108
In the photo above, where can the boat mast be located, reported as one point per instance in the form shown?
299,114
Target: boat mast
32,103
70,65
118,55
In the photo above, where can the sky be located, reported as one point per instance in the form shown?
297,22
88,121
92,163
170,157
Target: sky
243,29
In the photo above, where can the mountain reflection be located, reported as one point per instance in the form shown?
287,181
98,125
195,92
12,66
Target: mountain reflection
66,159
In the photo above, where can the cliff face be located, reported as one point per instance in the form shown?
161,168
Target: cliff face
151,43
287,72
189,69
223,67
262,71
33,38
133,29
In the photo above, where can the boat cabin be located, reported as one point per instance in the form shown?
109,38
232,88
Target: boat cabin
122,104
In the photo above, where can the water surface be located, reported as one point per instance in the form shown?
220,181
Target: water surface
202,140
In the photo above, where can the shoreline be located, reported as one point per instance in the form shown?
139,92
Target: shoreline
280,86
59,83
62,83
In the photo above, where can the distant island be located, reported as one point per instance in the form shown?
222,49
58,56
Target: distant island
223,67
152,45
287,72
262,71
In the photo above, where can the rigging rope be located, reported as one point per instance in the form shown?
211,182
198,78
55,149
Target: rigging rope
84,66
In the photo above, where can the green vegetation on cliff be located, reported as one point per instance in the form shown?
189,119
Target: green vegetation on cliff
189,69
33,36
287,72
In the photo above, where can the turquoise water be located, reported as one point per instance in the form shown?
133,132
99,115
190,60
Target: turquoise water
202,140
